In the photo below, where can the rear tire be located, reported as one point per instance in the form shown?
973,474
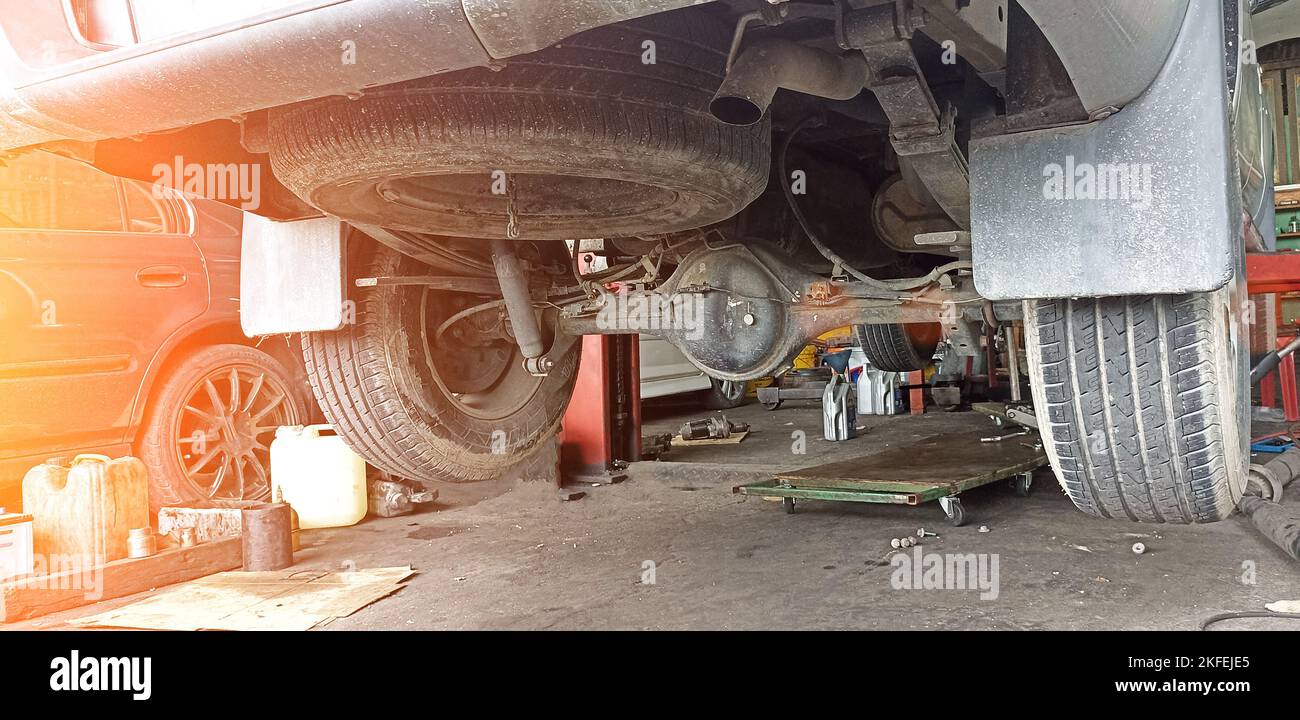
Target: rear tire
378,384
897,348
1143,402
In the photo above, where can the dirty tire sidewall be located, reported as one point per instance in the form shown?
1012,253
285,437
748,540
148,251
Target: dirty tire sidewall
372,383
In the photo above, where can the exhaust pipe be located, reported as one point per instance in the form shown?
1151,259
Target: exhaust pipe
767,65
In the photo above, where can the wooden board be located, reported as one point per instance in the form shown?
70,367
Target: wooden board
1286,197
731,439
955,462
37,595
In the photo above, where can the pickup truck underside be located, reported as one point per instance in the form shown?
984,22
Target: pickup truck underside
759,173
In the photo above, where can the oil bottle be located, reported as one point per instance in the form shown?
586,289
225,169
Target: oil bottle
294,529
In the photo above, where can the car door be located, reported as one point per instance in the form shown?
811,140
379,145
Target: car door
86,298
666,371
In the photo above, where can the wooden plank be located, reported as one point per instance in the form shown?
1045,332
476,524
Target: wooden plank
36,595
731,439
955,462
1286,197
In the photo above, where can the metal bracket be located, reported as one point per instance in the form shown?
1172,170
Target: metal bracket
922,136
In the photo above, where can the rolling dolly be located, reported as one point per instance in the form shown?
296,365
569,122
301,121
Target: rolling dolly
801,384
938,468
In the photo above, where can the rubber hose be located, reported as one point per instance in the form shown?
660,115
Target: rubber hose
1274,522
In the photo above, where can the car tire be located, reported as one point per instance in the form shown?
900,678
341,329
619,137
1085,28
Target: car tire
192,459
580,137
897,348
1143,402
392,397
725,394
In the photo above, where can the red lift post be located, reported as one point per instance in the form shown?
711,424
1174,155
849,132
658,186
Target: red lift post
601,433
602,427
1277,273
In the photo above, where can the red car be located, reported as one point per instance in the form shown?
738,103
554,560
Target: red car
119,334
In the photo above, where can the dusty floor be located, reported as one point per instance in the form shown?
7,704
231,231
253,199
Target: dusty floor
502,557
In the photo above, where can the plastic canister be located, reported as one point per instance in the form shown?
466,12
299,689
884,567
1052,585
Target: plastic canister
315,472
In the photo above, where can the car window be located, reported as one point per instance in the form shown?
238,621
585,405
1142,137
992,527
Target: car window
40,191
144,212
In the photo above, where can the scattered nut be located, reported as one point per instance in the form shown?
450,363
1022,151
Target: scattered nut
896,543
1139,548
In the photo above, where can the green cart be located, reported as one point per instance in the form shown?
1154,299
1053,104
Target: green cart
938,468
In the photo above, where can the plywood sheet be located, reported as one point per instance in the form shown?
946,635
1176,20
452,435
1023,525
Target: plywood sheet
281,600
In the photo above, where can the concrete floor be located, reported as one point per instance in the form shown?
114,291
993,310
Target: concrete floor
501,556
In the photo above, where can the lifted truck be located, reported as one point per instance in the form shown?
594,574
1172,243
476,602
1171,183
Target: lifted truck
760,172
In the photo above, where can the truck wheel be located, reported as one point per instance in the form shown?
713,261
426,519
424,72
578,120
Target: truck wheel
1143,402
457,408
898,348
208,429
579,137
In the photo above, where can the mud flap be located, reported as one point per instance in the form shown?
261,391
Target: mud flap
291,276
1145,201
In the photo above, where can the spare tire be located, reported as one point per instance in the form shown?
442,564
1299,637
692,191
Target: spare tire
608,132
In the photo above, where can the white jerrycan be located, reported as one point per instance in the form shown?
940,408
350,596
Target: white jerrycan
314,471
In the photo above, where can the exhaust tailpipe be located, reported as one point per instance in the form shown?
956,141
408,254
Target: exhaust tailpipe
767,65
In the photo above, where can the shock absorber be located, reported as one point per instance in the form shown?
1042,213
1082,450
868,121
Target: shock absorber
519,307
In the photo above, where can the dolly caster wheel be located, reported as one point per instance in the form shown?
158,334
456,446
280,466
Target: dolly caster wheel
769,406
953,509
788,504
1023,484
